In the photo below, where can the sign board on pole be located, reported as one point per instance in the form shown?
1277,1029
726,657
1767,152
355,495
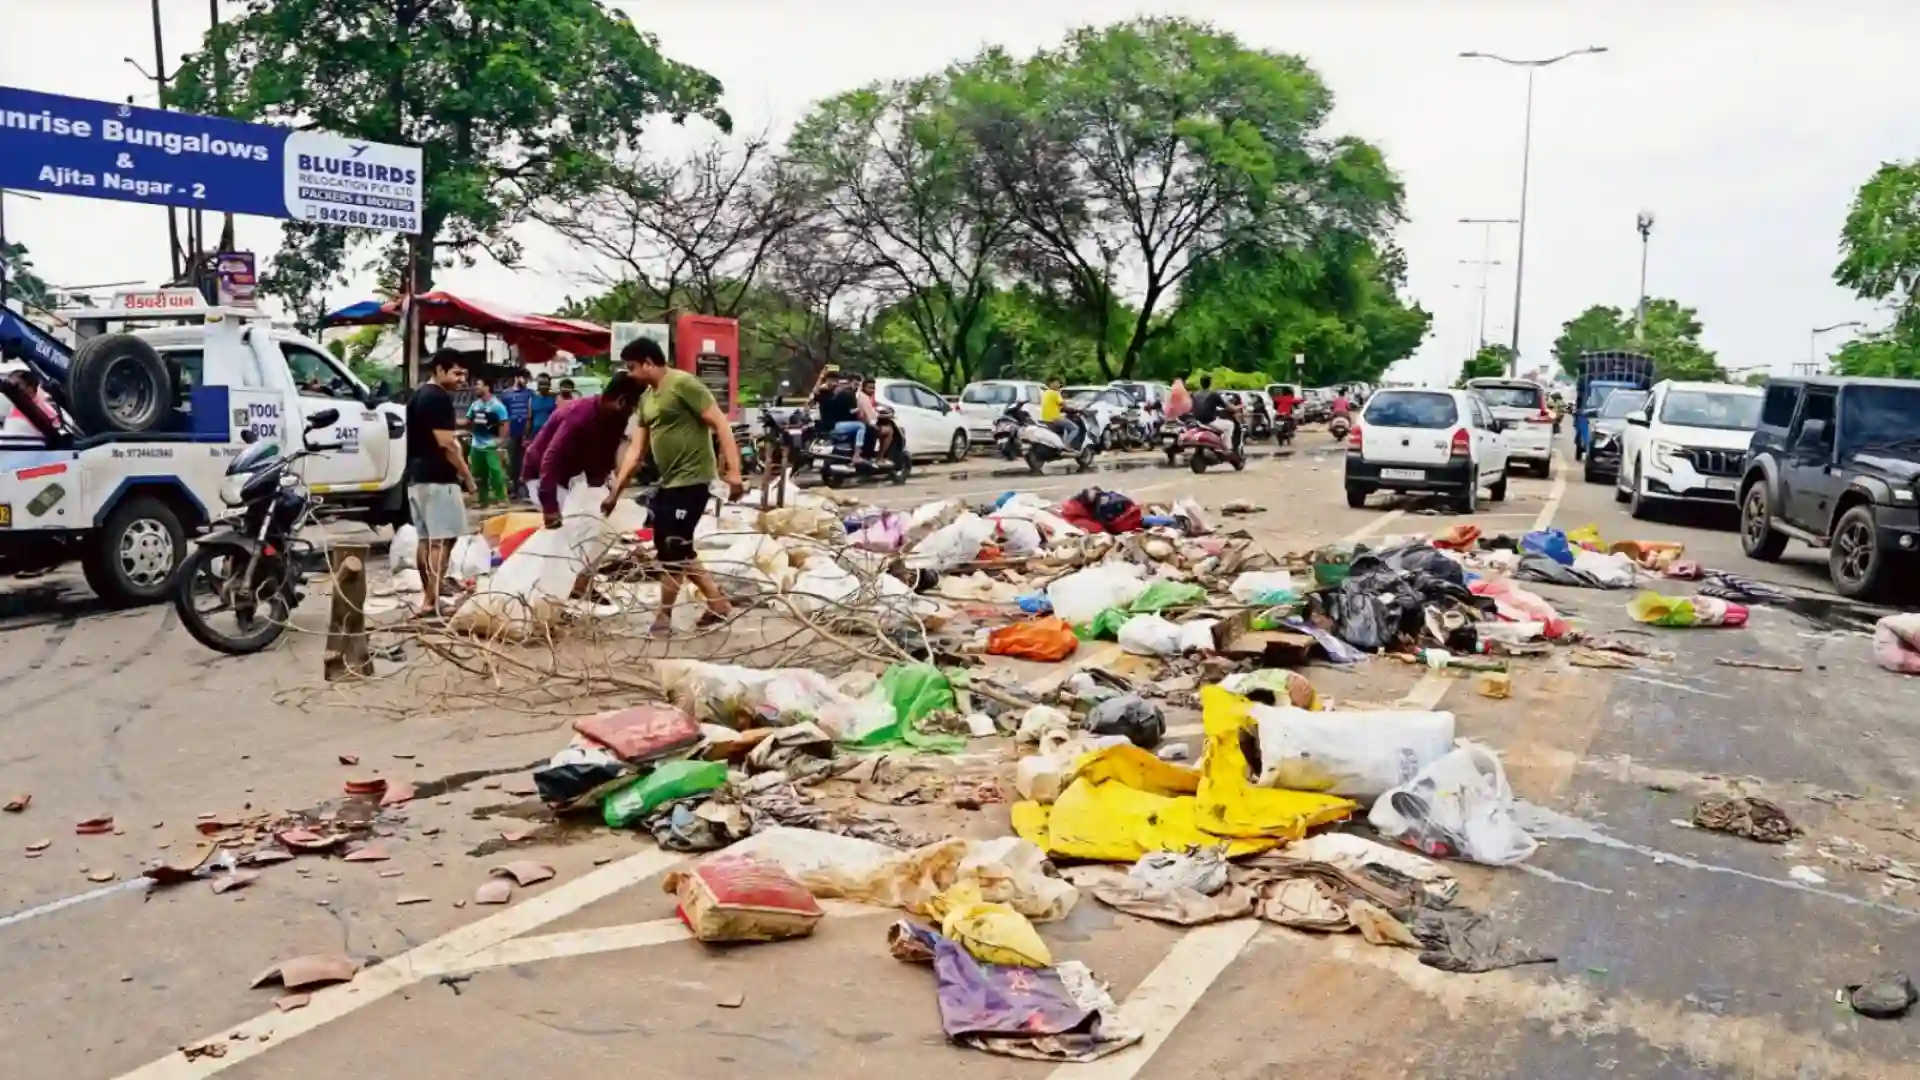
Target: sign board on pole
102,150
235,270
624,332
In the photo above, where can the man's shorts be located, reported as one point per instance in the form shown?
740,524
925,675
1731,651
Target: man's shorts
675,512
439,512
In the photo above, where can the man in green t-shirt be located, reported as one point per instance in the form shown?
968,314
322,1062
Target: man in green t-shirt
680,422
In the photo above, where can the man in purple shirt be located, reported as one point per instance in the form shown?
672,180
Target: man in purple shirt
582,438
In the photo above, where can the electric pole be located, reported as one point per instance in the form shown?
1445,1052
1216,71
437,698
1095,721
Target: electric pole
1645,224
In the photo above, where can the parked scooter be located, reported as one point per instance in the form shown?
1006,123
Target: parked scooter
1339,426
835,454
1040,444
1205,446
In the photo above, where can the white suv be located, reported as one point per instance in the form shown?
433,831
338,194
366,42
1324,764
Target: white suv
981,403
1521,407
1688,443
1427,440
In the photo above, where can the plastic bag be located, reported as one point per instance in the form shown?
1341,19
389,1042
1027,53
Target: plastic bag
1008,869
1040,719
886,532
823,585
529,591
1131,715
1357,754
1045,639
669,781
1587,536
1458,805
1516,604
1896,643
1161,595
1104,626
994,933
733,898
1263,587
913,690
1609,571
1549,542
1150,635
471,558
1203,870
1017,537
952,545
1681,611
404,552
1278,686
1083,594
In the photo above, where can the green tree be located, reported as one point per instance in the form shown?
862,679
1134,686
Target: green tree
1886,354
897,182
1138,150
1489,363
1880,244
513,102
1671,337
21,280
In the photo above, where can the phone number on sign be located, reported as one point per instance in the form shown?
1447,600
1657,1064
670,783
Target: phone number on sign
368,219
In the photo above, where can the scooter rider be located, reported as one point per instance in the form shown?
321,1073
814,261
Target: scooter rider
1054,414
1211,409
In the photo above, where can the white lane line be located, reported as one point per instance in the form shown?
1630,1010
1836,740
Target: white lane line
1426,693
1372,527
1554,494
638,935
1168,993
433,958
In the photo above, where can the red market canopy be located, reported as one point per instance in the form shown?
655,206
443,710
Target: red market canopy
535,337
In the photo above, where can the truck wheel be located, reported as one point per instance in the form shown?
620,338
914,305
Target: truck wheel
132,559
1859,565
119,385
1758,538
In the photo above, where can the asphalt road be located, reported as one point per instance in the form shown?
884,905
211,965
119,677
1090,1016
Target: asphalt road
1681,953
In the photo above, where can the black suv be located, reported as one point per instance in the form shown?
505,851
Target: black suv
1835,463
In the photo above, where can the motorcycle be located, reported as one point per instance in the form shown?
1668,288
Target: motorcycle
1041,444
782,443
1283,430
1205,446
1128,431
1339,426
253,565
835,455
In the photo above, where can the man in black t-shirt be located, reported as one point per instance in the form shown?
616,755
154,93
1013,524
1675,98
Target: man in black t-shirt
436,473
1211,409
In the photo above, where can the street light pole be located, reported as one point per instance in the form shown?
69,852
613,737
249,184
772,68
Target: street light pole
1482,264
1813,342
1526,167
1645,224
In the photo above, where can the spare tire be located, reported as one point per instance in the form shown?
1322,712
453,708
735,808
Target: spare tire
119,384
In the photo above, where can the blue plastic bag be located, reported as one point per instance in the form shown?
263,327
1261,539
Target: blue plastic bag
1552,543
1035,604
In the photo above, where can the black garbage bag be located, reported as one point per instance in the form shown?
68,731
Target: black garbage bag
1140,720
1418,558
1553,572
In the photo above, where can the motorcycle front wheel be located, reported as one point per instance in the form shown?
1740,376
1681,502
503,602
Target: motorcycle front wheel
210,574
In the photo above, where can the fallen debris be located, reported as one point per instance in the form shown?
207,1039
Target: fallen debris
97,826
288,1002
238,879
1886,996
18,803
497,891
524,872
301,972
739,898
1755,819
1758,665
366,853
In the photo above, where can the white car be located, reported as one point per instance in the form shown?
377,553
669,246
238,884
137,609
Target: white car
1427,440
1688,443
931,426
981,403
1521,407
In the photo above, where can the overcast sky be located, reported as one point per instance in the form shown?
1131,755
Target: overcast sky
1744,125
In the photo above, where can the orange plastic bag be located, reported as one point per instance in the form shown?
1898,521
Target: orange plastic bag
1037,639
512,541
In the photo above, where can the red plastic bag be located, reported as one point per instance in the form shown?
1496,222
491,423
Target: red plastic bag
736,898
1516,604
642,733
1047,639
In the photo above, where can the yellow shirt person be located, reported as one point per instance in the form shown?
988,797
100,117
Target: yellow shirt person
1050,405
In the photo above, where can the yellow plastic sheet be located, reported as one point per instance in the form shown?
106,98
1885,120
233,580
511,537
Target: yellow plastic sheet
1124,803
1587,536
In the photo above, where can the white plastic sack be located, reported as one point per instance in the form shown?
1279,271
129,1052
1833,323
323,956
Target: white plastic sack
404,554
1615,571
1081,595
471,558
1197,522
823,585
929,517
1018,537
1262,587
951,545
1150,635
1459,804
1357,754
529,591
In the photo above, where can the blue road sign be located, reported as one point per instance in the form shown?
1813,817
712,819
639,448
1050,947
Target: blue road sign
101,150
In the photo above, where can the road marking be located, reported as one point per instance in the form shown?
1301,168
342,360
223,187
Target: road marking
1375,526
1168,993
1554,494
1426,693
638,935
426,961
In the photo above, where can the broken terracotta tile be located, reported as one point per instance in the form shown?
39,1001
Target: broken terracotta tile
521,786
497,891
266,857
370,786
391,873
35,854
308,841
304,971
516,836
397,795
100,876
210,825
204,1050
732,1001
459,903
524,872
165,873
412,898
603,860
18,803
97,826
367,853
290,1002
349,759
38,846
239,879
404,757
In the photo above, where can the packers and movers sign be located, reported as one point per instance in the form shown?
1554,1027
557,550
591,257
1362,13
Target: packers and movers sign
104,150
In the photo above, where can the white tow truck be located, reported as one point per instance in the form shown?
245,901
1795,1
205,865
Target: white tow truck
153,397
